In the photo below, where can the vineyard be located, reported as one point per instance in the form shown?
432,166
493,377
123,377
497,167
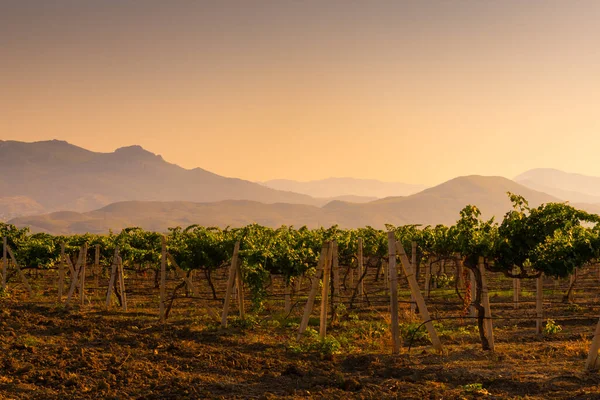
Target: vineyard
479,308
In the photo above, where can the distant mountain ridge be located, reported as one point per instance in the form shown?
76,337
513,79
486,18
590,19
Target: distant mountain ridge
564,185
60,176
438,205
336,187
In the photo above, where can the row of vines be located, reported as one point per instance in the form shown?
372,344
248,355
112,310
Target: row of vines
552,239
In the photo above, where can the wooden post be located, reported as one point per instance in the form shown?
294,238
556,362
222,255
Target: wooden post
516,290
75,277
393,293
485,300
112,278
97,266
188,280
240,289
592,359
539,298
230,283
325,291
313,291
413,305
82,278
163,277
122,283
473,294
361,284
409,271
61,272
336,276
21,274
4,261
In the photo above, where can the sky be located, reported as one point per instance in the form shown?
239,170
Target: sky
409,91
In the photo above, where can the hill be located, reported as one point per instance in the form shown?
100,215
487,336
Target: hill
337,187
438,205
576,188
11,207
60,176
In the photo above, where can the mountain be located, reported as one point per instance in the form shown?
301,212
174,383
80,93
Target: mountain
11,207
438,205
576,188
336,187
441,204
60,176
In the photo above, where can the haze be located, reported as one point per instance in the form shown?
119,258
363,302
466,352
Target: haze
415,92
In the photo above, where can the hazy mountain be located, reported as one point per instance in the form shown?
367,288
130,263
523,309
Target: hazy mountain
437,205
564,185
61,176
335,187
441,204
11,207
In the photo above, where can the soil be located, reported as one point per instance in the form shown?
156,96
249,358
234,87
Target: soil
49,351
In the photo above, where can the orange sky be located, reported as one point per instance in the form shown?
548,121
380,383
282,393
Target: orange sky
417,91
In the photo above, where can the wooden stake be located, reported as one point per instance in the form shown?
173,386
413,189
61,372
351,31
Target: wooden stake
473,294
361,284
113,273
21,274
539,298
336,275
75,277
393,293
70,265
325,291
240,290
516,290
592,359
163,277
409,271
313,291
485,300
336,278
82,278
4,261
97,266
413,305
188,281
61,272
230,283
122,283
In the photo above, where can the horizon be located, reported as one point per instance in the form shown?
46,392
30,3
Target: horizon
399,92
294,180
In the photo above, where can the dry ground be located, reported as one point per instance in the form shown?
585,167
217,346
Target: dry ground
47,352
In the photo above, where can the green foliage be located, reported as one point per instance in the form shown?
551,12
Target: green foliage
475,388
310,342
551,327
443,280
552,239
